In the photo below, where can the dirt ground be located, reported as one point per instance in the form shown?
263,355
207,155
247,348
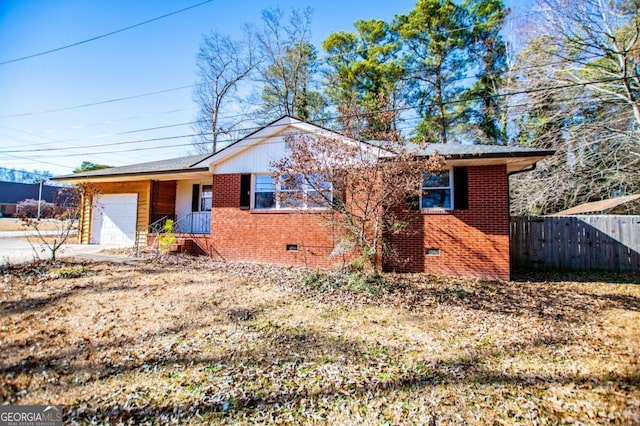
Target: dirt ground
197,342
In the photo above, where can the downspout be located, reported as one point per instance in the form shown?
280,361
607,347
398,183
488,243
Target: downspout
517,172
530,169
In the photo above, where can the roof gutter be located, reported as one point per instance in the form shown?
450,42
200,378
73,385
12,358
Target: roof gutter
530,169
129,174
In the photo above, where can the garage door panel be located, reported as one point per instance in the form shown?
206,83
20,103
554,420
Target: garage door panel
114,219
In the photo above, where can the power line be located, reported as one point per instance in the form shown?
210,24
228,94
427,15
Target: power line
414,72
24,114
26,133
102,136
38,161
366,114
103,145
52,141
323,120
78,43
515,69
185,86
130,118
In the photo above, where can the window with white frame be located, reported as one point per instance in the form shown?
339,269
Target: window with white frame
291,193
265,192
206,197
318,192
436,190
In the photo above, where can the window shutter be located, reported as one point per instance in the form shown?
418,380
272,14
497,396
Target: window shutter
245,192
460,188
195,198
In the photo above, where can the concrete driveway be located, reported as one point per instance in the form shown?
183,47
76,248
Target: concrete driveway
14,248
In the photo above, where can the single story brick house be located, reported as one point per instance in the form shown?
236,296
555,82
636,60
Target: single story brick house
224,203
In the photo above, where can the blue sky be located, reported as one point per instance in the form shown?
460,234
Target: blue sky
150,58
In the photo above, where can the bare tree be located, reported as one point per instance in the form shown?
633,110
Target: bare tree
289,62
223,63
361,186
600,42
579,72
66,213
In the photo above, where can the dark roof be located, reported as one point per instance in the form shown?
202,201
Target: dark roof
185,164
459,150
13,193
162,166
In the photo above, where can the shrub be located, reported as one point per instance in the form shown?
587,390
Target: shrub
68,272
168,236
352,281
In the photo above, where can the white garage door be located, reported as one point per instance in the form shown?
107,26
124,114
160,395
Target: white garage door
114,219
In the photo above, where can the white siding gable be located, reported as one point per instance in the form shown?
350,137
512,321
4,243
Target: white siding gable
255,158
256,152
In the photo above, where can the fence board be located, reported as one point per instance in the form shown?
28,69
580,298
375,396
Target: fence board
606,242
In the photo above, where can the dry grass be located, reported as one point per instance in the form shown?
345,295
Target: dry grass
11,224
7,224
201,343
71,239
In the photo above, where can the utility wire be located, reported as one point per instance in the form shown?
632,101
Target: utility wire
185,86
324,120
157,92
24,114
51,141
78,43
39,161
355,115
103,136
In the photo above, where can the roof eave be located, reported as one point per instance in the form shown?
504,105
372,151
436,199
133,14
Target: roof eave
480,156
132,176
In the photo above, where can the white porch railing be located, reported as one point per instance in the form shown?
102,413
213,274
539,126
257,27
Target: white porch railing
194,223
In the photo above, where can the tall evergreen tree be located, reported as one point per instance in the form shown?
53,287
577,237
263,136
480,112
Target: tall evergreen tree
364,77
447,46
487,53
434,40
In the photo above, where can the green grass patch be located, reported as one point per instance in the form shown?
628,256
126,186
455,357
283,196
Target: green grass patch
67,272
349,281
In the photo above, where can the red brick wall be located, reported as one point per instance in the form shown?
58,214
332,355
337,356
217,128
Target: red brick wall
259,235
472,242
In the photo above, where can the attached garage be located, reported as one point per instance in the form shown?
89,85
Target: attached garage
114,219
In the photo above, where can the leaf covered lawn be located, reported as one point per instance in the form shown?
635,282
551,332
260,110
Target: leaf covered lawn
197,342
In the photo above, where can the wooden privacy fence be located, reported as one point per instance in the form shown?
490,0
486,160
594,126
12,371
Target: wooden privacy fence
607,242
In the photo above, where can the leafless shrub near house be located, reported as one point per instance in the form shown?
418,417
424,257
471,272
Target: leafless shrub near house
359,184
